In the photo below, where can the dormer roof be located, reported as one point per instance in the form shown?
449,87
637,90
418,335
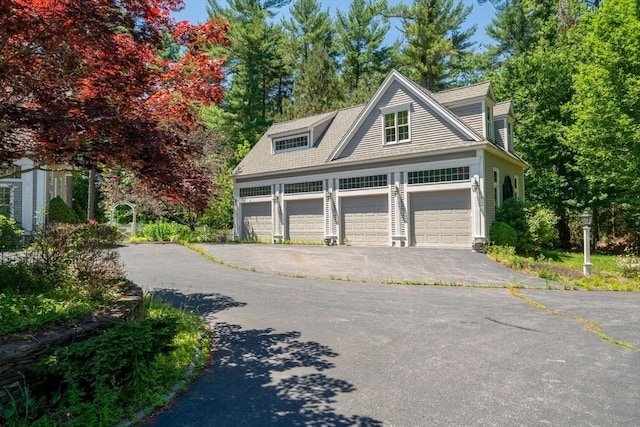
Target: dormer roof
475,91
502,109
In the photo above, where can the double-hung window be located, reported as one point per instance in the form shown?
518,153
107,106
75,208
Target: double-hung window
396,124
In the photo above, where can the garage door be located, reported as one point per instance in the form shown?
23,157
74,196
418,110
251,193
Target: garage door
441,218
256,221
305,220
365,220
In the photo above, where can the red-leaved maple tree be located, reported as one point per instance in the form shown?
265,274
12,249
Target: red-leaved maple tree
82,83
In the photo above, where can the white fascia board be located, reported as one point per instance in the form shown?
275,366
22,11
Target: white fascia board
395,75
303,129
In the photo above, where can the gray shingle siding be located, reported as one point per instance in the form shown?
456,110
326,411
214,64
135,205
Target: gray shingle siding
429,131
471,114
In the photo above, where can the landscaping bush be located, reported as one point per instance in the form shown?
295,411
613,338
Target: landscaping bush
59,211
628,265
10,234
541,222
502,234
534,225
162,231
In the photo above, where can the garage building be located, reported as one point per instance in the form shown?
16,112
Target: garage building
409,168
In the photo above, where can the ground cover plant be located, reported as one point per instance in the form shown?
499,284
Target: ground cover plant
163,231
609,272
112,376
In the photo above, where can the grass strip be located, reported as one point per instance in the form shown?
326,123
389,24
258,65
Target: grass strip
589,325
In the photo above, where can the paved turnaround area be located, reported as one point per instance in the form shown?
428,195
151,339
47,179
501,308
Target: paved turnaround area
304,351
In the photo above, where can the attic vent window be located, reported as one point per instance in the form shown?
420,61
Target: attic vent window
264,190
363,182
291,143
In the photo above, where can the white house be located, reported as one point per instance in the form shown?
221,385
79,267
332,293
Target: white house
25,197
409,168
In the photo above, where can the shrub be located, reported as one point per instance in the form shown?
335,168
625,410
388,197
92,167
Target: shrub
502,234
162,231
59,211
63,251
10,233
542,231
628,265
100,375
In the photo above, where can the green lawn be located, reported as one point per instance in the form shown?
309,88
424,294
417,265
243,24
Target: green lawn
574,260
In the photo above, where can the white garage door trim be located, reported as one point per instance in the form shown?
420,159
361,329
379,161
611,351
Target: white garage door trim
256,221
441,218
365,220
305,220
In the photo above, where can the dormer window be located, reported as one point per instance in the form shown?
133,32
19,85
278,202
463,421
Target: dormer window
291,143
488,115
396,124
509,136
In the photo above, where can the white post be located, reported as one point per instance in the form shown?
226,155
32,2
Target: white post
586,268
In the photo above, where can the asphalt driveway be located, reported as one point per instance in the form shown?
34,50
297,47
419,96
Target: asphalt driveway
302,351
373,264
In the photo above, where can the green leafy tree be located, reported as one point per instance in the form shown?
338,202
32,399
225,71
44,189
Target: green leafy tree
435,43
605,108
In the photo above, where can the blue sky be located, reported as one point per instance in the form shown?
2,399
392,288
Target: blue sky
195,11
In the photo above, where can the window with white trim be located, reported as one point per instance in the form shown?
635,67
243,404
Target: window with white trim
496,188
509,135
290,143
363,182
263,190
6,201
303,187
396,123
489,122
439,175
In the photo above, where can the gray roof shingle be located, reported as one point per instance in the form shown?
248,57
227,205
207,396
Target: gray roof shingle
261,160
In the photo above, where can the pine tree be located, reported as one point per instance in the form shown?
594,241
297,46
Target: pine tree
255,67
435,43
365,60
311,54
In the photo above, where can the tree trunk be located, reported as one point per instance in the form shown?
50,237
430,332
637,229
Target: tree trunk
91,202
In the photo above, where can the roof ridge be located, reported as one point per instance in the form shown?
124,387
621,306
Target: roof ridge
462,87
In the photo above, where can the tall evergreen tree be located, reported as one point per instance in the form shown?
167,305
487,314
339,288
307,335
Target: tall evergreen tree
435,44
311,54
255,68
365,60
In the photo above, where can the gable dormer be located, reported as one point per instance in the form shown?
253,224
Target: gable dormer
503,125
473,104
298,134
